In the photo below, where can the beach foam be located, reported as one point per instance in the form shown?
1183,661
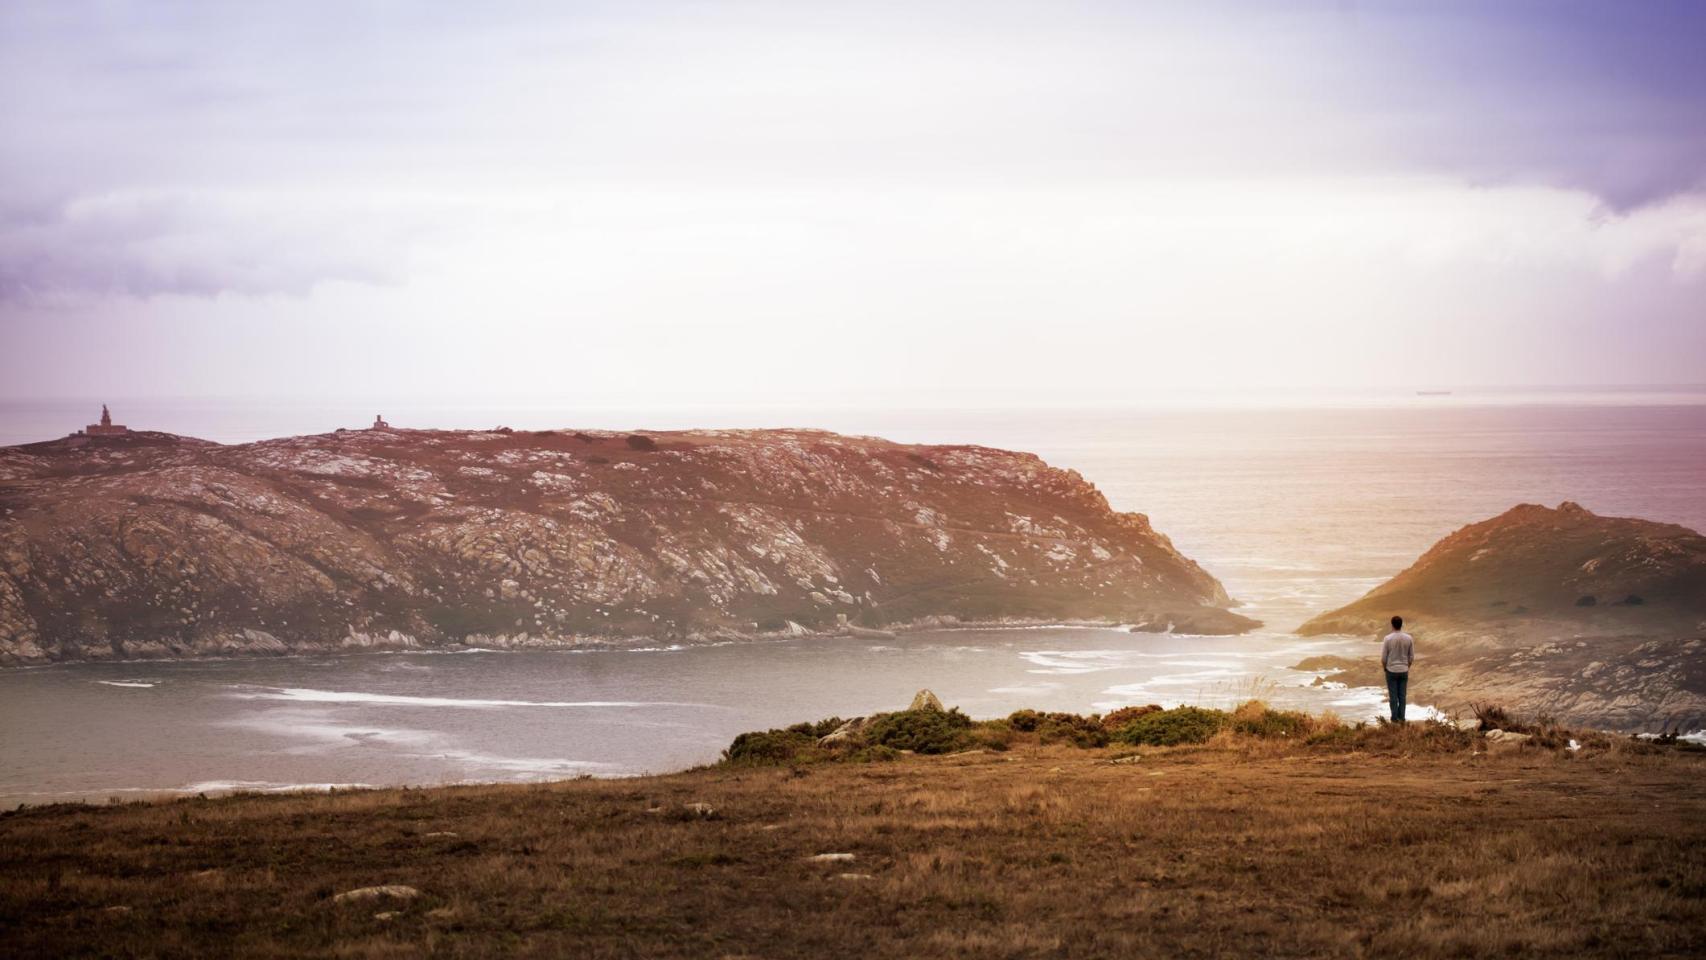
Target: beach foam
305,695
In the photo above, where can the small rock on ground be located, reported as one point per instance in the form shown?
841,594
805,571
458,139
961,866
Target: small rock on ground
832,858
395,890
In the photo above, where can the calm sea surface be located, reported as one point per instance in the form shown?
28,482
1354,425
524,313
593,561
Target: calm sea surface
1296,510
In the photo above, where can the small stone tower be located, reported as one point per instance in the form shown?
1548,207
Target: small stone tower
106,428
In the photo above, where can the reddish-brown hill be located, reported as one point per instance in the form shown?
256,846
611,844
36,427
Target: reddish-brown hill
154,545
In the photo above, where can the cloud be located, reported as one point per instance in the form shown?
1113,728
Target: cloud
145,244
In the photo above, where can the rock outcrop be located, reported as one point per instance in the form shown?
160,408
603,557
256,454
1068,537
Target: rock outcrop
151,545
1533,570
1555,612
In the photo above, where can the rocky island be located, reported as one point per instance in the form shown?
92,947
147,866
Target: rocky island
1588,619
144,544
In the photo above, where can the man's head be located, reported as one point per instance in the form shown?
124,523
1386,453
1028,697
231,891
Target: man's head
1397,623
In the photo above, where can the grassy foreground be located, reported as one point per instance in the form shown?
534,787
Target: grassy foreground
1423,841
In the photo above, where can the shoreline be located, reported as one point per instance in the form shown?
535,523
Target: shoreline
631,645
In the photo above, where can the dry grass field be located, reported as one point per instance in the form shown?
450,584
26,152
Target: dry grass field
1392,843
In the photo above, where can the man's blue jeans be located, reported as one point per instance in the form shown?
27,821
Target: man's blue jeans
1397,686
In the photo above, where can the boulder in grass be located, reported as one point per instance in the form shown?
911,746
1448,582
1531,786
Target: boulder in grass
925,700
847,733
393,891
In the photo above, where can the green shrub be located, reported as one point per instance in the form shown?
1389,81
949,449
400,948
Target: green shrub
822,728
1072,728
1168,728
1256,719
1025,721
995,735
921,731
1124,715
773,747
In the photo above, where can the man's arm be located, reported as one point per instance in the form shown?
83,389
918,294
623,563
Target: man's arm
1385,652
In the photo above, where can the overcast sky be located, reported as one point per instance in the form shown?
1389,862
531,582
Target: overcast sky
912,203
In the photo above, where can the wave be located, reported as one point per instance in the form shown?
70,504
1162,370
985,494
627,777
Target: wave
518,765
132,684
264,786
306,695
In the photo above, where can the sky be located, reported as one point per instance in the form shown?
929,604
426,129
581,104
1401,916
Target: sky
920,203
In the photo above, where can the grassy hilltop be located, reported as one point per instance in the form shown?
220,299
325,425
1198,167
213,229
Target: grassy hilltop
1268,838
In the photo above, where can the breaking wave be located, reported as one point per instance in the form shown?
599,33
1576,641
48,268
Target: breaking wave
305,695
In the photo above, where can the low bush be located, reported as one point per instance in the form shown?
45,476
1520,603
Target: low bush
1071,728
1025,721
772,747
822,728
1423,736
995,735
1494,717
1167,728
1124,715
1256,719
921,731
875,753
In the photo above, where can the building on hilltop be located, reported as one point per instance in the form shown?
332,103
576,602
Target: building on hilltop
106,428
379,422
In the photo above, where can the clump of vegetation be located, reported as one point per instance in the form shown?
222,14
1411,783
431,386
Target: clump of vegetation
1124,715
794,744
996,735
921,731
928,731
1422,736
1025,721
1169,728
1080,731
771,747
639,441
1494,717
1255,718
874,753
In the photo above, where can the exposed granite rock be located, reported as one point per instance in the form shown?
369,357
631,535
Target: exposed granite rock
151,545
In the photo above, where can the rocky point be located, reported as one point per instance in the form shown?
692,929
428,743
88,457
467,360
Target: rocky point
154,545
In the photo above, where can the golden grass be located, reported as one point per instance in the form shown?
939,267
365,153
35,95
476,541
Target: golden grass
1402,846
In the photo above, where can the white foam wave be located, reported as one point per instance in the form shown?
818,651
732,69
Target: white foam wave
1027,689
264,786
538,766
131,684
305,695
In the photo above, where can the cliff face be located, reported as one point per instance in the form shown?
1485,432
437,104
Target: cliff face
1534,569
155,545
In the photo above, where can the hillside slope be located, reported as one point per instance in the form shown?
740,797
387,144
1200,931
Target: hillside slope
1237,851
1533,569
154,545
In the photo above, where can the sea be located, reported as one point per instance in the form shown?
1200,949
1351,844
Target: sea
1298,505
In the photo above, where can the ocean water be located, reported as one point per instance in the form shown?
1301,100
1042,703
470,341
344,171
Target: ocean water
1297,509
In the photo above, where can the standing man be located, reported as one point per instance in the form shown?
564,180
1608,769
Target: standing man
1397,652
